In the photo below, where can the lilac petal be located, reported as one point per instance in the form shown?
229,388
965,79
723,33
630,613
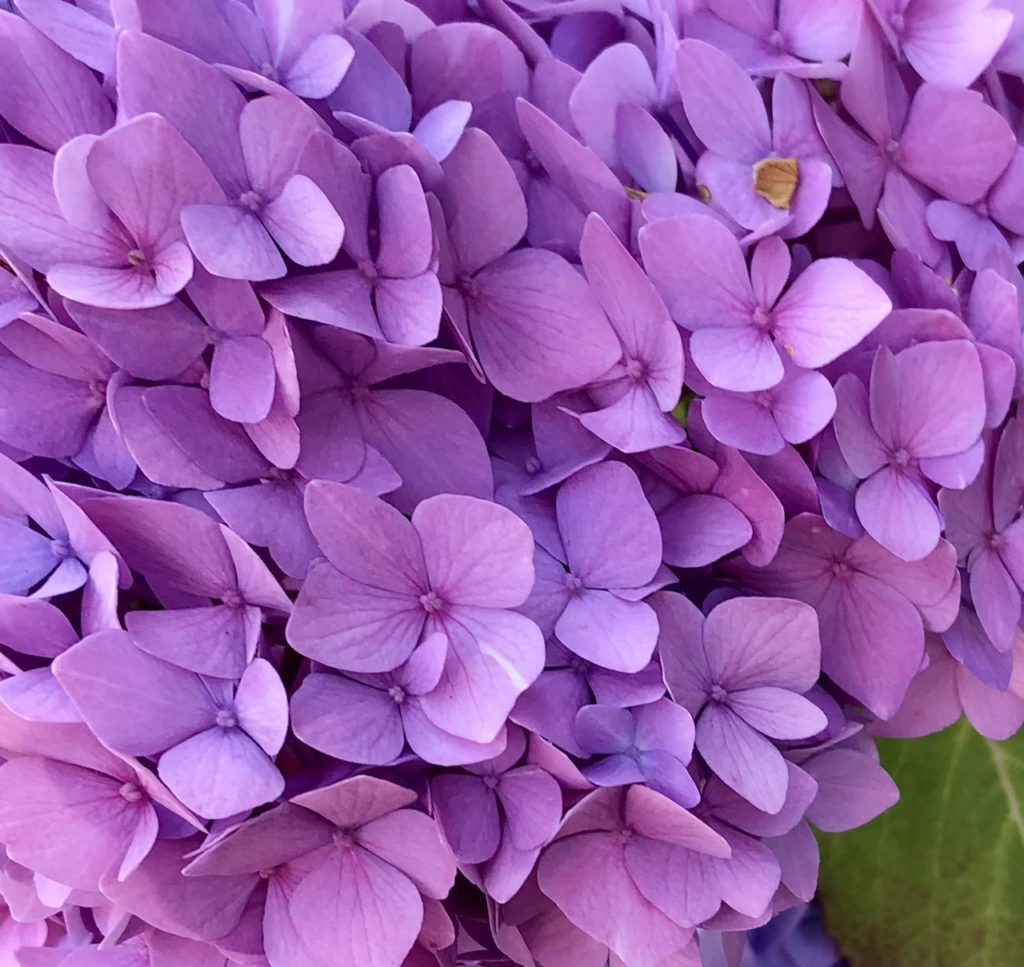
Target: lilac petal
742,359
37,696
189,906
303,222
494,656
350,721
34,627
357,906
231,241
603,503
136,704
874,641
476,63
535,301
742,422
335,298
468,813
778,713
722,103
42,796
28,557
614,770
320,67
618,75
220,772
408,840
963,172
476,553
996,598
838,772
602,730
613,633
406,236
645,149
352,626
742,758
261,705
409,310
532,801
435,745
830,308
763,641
862,448
209,123
635,423
242,379
803,407
587,183
32,63
487,216
700,529
215,641
609,907
696,264
405,425
896,510
441,127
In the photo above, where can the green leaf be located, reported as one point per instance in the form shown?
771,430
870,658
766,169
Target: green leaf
939,880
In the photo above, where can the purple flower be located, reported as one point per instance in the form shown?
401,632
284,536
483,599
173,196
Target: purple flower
594,602
652,744
253,150
502,302
453,572
766,176
496,818
872,606
216,742
349,868
921,421
742,672
609,872
738,318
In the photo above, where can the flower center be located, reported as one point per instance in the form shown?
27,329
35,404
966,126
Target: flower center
776,40
232,598
762,318
431,603
840,569
718,694
269,71
776,181
250,200
60,548
635,369
368,269
898,23
532,465
573,584
623,834
344,839
397,694
491,782
227,719
467,285
130,792
900,458
136,258
892,149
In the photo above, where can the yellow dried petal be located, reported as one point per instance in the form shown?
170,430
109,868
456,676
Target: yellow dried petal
776,180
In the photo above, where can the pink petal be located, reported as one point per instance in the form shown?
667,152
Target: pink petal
304,223
242,379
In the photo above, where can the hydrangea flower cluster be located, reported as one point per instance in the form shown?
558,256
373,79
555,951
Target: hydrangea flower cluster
475,475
